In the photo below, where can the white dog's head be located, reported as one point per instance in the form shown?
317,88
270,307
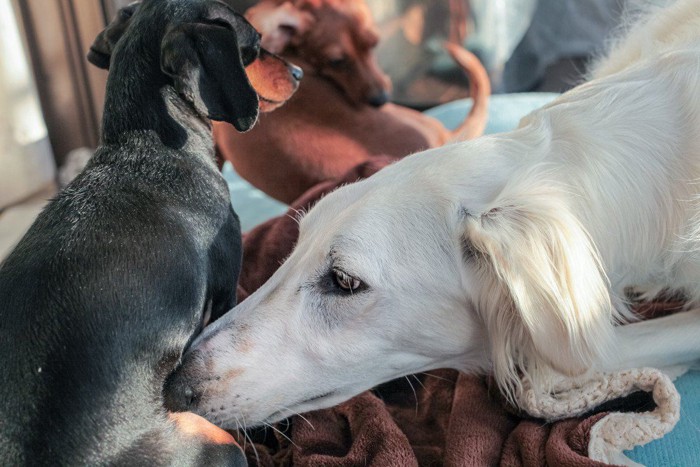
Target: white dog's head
444,259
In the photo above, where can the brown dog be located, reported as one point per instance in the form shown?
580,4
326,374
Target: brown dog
339,116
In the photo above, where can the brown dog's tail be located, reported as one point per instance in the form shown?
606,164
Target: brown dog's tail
479,90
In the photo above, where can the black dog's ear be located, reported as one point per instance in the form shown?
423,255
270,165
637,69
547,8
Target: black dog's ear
207,65
100,52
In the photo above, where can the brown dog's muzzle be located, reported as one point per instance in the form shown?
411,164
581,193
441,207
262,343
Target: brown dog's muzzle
274,79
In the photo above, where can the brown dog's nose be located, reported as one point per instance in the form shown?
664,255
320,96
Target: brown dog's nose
379,99
297,73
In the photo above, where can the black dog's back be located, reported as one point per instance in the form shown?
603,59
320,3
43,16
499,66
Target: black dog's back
102,286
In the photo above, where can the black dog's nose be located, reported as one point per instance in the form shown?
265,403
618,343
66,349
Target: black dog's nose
178,395
297,73
379,99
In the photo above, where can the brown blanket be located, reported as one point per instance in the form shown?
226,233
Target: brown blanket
439,418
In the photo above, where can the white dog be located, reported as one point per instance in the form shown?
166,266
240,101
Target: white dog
511,253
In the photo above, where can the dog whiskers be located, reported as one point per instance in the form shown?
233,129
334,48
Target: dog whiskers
298,215
297,414
238,430
415,395
246,437
287,424
283,435
437,377
419,381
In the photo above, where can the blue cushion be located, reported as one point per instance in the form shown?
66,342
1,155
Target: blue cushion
681,447
505,110
252,205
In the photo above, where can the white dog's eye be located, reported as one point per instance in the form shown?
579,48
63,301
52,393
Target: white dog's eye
346,282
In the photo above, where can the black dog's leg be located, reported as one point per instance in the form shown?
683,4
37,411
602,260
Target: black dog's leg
225,258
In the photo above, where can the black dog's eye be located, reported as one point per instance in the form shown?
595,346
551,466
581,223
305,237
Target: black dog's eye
219,23
249,54
126,13
346,282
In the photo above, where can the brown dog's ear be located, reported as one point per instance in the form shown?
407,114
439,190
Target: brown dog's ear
207,65
100,52
279,25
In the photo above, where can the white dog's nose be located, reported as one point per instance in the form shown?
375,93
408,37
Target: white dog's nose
178,395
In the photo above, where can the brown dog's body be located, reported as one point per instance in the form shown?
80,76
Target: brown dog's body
316,135
337,119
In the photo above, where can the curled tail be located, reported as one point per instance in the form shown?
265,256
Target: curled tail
479,90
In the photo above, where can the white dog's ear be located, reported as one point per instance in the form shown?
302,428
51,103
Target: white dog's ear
542,293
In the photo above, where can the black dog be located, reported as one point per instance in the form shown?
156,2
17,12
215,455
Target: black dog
123,268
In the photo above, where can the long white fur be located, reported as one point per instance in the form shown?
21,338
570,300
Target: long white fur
511,252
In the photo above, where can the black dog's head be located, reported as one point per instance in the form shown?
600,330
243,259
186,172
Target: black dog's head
202,48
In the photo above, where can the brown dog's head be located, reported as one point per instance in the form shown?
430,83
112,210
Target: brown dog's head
336,38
